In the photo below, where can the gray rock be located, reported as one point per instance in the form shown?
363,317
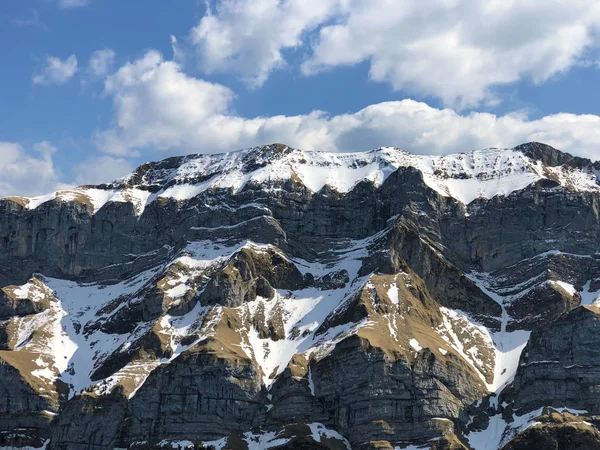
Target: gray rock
560,366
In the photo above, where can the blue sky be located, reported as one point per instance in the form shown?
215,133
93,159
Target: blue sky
91,88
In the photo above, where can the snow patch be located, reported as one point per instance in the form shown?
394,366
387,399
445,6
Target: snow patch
588,297
264,441
320,431
218,444
569,288
415,344
393,293
508,345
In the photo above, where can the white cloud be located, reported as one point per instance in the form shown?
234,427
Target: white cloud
33,21
45,148
102,169
248,37
179,53
158,107
101,62
456,50
154,101
25,174
56,71
65,4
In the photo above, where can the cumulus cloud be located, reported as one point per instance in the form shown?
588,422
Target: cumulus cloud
101,62
102,169
154,102
455,50
159,107
27,174
249,37
56,71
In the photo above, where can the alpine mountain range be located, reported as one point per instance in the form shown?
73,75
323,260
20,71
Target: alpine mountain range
275,298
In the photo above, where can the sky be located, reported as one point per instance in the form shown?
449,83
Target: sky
90,89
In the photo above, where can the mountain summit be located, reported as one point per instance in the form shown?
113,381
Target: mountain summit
274,298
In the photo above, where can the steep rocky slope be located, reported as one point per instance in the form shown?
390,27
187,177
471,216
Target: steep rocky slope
276,298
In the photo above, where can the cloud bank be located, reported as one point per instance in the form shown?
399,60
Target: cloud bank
456,50
158,106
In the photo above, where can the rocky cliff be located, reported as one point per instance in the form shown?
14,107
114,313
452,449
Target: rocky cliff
276,298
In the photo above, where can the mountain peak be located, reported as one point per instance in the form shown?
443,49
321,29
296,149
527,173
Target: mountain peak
550,156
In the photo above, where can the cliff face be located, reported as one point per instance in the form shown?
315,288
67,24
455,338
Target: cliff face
275,298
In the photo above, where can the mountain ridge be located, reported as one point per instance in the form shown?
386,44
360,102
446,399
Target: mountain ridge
345,170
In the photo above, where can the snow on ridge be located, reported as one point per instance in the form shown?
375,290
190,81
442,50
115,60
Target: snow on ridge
95,197
303,311
500,432
463,176
73,356
264,440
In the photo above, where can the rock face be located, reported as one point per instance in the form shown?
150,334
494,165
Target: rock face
560,364
276,298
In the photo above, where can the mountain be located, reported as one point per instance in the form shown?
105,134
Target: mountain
274,298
